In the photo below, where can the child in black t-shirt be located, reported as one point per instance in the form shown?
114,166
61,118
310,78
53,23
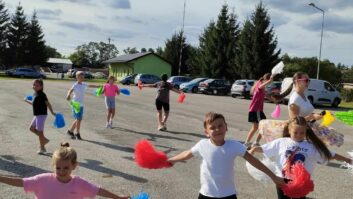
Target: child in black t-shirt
40,103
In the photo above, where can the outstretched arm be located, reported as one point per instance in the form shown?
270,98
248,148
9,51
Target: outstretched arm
263,85
50,107
341,158
68,96
29,102
176,90
107,194
258,164
17,182
256,149
181,157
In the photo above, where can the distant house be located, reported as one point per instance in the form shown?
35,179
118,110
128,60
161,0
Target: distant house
59,65
149,63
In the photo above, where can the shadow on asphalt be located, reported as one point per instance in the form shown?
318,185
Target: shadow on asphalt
336,165
97,166
8,163
112,146
186,133
152,136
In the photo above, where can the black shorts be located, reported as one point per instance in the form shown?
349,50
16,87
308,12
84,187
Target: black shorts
206,197
160,104
255,117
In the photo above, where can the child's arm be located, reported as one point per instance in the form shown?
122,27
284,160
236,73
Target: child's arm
93,86
149,85
107,194
181,157
17,182
176,90
341,158
50,107
256,149
29,102
263,85
68,96
258,164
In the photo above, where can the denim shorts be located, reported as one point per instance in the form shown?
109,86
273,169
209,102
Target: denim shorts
79,115
110,102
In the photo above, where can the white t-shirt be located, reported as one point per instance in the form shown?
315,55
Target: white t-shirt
217,167
79,90
305,107
282,148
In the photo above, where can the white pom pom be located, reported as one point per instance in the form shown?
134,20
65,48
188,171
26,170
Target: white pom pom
259,175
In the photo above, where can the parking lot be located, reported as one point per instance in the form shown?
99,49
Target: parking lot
106,155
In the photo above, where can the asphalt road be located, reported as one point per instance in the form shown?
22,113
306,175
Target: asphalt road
106,155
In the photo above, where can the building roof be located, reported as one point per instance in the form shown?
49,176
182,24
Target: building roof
59,61
126,58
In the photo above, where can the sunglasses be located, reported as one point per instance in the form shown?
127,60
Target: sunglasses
304,80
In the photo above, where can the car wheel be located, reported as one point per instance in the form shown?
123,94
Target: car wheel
234,95
335,103
311,100
194,89
22,76
127,82
214,92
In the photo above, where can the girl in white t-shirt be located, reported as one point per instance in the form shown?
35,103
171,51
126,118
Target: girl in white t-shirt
61,184
299,143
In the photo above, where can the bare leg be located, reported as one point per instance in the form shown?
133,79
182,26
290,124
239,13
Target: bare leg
78,126
109,115
166,115
73,126
112,114
258,138
159,117
252,131
42,139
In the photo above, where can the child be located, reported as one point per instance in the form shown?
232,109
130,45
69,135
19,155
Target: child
299,143
256,108
218,154
110,91
79,89
60,184
162,100
40,105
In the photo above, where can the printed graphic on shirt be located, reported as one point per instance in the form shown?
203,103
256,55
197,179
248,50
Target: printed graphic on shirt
299,157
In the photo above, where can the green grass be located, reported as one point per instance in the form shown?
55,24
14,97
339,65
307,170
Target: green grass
344,104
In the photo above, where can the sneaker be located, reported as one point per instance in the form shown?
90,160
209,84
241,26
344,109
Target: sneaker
78,136
42,152
255,144
71,134
247,145
160,128
164,127
107,125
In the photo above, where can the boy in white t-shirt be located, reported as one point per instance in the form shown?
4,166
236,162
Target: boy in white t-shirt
218,154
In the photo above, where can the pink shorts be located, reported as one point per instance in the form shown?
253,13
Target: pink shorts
38,122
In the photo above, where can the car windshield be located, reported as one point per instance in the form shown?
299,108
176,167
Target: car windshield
240,82
196,80
209,80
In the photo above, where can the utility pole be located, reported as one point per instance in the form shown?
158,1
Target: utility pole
181,38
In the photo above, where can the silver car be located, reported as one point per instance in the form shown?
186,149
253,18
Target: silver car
242,87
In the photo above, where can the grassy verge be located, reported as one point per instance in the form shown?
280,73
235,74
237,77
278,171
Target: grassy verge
346,104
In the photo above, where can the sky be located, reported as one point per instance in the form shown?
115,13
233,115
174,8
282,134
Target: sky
148,23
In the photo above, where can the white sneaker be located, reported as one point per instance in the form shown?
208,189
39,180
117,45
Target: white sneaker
160,128
107,125
111,124
42,152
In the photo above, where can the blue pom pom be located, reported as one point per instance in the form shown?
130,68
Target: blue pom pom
125,91
141,195
59,121
29,97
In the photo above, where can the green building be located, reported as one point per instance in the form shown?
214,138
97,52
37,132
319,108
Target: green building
148,63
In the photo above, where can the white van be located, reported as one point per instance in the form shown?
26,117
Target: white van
318,92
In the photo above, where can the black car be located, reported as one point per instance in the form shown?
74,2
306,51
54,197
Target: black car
215,87
129,79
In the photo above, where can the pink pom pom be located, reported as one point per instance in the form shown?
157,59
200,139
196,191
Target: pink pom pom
181,98
147,157
277,112
300,184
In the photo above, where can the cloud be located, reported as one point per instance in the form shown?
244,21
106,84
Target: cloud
80,26
128,19
120,33
119,4
333,23
47,14
87,2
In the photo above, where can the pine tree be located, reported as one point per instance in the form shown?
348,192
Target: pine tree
35,45
172,53
265,55
4,20
17,37
218,46
244,55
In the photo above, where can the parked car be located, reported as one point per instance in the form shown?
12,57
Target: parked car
214,86
25,72
272,88
146,79
177,80
99,75
88,75
127,80
71,72
242,87
192,86
318,92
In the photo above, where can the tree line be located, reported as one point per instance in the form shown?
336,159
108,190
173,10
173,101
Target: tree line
22,40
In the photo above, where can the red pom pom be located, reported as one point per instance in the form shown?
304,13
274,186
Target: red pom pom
139,84
181,98
147,157
300,184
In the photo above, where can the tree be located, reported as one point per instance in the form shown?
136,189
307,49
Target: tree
172,53
93,54
244,55
151,50
159,51
218,46
129,50
264,44
4,20
35,44
143,50
17,38
52,52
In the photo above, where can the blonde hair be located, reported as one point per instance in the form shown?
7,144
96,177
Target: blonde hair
65,153
211,117
278,97
78,73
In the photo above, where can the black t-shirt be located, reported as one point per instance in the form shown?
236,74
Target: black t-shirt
39,105
163,91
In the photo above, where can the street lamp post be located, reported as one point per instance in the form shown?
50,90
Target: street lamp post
322,31
181,39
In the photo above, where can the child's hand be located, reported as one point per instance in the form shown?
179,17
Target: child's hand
279,181
317,116
53,113
68,98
